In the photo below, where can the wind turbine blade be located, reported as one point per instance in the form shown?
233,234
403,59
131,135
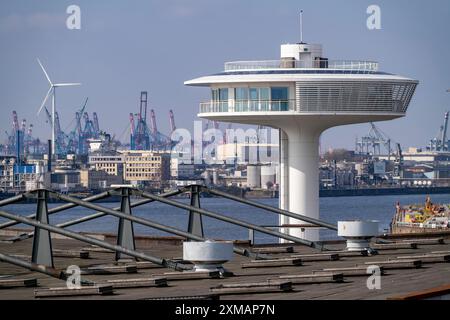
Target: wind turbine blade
66,84
45,100
45,72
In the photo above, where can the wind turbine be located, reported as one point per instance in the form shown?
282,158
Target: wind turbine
52,91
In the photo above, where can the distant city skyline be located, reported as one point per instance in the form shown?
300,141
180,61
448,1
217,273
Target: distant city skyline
126,47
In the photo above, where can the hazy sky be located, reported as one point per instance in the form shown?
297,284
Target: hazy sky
125,47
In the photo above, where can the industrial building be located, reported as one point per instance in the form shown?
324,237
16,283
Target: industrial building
65,180
147,168
242,153
261,176
111,162
179,169
15,176
93,179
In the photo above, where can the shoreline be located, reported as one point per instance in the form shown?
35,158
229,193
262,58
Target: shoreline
324,193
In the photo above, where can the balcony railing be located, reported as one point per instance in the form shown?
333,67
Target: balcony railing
358,65
214,106
247,106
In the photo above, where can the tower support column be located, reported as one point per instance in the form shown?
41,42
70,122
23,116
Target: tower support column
284,178
303,177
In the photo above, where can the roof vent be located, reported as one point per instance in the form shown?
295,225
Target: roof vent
208,255
358,233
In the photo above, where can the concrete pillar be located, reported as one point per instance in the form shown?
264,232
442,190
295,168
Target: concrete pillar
303,182
284,178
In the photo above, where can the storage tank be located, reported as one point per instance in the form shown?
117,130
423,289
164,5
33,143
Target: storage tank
215,177
267,176
254,176
277,174
207,176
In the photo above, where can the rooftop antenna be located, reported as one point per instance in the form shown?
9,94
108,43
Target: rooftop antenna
301,26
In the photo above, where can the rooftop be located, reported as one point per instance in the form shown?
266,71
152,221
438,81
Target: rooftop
398,280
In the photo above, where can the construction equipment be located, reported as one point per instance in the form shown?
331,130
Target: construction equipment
144,137
172,122
440,142
77,140
26,145
140,137
398,163
371,143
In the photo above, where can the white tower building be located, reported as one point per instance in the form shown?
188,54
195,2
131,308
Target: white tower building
303,94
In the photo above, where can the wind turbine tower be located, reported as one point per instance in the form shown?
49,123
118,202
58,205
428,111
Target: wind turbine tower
52,91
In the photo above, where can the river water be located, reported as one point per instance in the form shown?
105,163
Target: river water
332,209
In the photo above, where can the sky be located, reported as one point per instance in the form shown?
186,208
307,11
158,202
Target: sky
125,47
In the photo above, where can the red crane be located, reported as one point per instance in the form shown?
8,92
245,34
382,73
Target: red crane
143,107
132,123
154,128
95,124
172,121
24,125
15,123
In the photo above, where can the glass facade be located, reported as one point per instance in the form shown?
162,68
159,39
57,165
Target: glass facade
223,94
280,96
261,99
219,99
250,99
279,93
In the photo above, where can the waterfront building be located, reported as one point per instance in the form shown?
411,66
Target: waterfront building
19,177
179,169
65,180
303,94
93,179
244,153
110,162
146,167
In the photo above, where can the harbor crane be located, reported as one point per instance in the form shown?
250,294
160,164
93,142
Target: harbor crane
371,143
398,163
143,136
173,127
19,139
440,142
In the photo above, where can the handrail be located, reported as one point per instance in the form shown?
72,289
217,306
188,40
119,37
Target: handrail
93,241
301,64
143,221
225,218
248,105
290,214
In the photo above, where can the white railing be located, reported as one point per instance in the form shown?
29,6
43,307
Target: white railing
247,106
359,65
214,106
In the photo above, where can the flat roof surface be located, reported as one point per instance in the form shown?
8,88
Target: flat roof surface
394,283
